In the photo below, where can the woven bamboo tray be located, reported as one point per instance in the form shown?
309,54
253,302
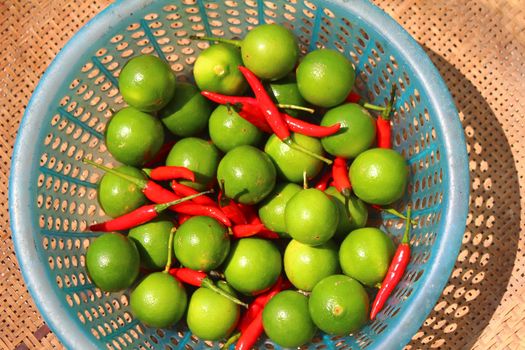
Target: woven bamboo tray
479,48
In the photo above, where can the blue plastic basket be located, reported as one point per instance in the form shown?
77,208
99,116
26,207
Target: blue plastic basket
53,195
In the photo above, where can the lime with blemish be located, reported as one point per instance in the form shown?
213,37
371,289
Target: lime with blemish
339,305
216,70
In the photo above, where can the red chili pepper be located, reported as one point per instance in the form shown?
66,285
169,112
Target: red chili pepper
268,234
138,216
240,231
251,324
395,271
161,155
201,279
270,111
323,181
353,97
308,129
384,128
158,194
252,112
164,173
204,210
340,176
183,190
249,108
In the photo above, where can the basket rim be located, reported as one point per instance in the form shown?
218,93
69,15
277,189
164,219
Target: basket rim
453,156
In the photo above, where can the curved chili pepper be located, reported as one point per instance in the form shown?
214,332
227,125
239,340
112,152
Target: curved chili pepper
164,173
158,194
384,128
395,271
138,216
340,176
308,129
161,155
201,279
204,210
271,113
183,190
353,97
323,181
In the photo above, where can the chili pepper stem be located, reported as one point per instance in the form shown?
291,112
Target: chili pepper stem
164,206
373,107
220,40
231,340
390,105
296,107
208,283
170,249
406,238
300,148
139,182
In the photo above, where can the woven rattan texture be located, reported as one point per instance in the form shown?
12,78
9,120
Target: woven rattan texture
479,48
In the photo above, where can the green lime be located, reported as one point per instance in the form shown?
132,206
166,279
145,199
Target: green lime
159,300
339,305
306,265
270,51
379,176
216,70
146,83
210,315
117,196
248,174
113,262
286,92
287,321
188,111
325,77
290,163
271,210
134,137
253,265
229,130
198,155
152,240
353,213
311,217
365,255
201,243
357,134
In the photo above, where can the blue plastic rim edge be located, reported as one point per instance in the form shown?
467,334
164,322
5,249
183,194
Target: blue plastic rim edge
455,160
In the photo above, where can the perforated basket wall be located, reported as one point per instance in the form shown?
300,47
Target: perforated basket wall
53,195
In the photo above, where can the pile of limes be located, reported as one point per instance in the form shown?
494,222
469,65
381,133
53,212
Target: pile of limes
324,248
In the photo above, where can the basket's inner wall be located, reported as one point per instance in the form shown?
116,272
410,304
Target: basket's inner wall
66,198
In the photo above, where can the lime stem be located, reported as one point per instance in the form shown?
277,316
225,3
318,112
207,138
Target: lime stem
300,148
305,181
139,182
296,107
231,340
406,238
163,206
170,249
237,43
208,283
